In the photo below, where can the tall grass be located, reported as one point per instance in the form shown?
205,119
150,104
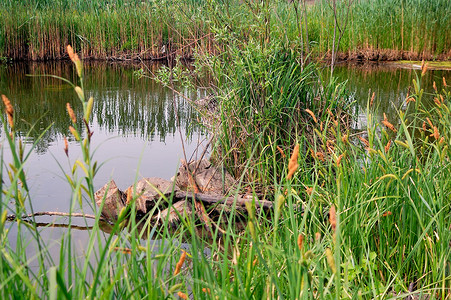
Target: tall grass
366,218
389,235
376,30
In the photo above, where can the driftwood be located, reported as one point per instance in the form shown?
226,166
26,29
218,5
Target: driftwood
214,199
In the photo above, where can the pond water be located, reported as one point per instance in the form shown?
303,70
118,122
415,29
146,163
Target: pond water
389,82
135,124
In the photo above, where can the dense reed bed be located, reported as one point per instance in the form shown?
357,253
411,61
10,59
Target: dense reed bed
132,29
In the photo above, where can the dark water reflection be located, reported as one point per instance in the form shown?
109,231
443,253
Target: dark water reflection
390,84
124,105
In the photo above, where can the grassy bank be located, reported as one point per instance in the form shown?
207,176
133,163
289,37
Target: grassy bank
131,29
357,215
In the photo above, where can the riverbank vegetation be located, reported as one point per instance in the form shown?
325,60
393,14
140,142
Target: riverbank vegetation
356,214
159,29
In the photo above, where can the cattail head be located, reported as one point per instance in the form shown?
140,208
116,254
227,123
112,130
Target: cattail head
293,163
364,141
74,133
182,295
435,134
311,114
434,86
320,156
300,241
9,111
410,99
387,147
388,124
71,113
317,236
333,217
444,82
424,68
339,159
437,102
429,122
424,126
179,264
281,151
75,59
66,146
372,98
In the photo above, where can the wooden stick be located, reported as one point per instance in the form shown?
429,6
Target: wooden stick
54,213
212,199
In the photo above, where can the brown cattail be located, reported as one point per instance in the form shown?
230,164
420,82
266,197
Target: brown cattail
75,59
281,151
442,140
255,262
364,141
66,146
429,122
424,126
293,163
311,114
300,241
410,99
442,99
436,135
339,159
9,111
333,217
424,68
71,113
388,124
74,133
437,102
182,295
179,265
317,236
388,213
372,98
387,147
434,86
444,82
320,156
206,290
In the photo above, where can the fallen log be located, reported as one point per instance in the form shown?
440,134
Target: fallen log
215,199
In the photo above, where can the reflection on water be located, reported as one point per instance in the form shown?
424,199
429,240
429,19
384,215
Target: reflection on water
135,135
124,104
389,83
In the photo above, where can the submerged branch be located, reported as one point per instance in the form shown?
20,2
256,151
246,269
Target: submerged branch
54,213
